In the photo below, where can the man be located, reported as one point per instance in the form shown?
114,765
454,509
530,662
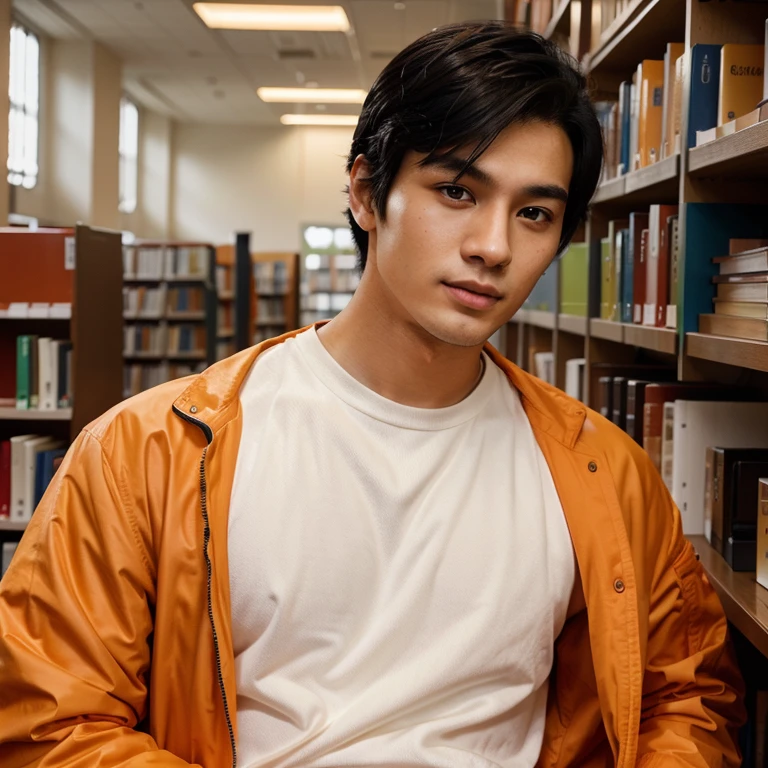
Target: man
376,542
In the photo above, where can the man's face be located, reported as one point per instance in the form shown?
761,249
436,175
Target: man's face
457,259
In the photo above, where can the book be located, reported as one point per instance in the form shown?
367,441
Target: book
607,278
620,239
619,402
632,371
762,533
626,283
731,502
705,84
657,266
574,377
625,117
658,393
574,272
641,275
5,479
31,448
746,277
544,366
23,372
673,230
44,471
634,277
755,329
34,373
667,443
605,397
747,261
634,107
17,475
45,347
703,423
651,78
672,54
8,550
755,309
677,105
738,292
741,80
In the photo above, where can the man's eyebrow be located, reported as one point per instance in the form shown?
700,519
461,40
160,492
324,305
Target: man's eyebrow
458,166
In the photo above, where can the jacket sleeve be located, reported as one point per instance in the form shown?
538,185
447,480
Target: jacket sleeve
692,691
74,626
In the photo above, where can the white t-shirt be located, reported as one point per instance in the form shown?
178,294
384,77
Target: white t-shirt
398,575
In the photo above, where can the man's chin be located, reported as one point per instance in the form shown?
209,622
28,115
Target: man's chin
469,332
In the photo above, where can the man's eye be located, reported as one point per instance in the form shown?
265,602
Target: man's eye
534,214
455,193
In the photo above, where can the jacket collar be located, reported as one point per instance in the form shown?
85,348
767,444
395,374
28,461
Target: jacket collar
212,399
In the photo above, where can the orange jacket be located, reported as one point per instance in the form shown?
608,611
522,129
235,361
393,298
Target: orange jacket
115,637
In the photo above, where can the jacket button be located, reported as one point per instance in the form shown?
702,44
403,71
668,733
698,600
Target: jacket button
193,409
618,585
592,467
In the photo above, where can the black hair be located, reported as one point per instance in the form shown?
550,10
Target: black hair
461,85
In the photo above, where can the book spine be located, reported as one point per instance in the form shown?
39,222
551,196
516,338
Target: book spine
5,479
652,423
22,372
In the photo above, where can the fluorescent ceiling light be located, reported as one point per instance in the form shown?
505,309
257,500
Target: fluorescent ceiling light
319,119
313,95
308,18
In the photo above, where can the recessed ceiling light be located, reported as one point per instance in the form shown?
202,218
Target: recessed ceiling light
319,119
313,95
312,18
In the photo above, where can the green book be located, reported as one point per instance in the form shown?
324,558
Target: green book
574,269
23,362
607,279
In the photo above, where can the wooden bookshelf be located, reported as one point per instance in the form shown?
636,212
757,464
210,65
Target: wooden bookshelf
536,317
9,526
560,23
655,183
743,353
172,273
606,329
745,602
35,414
573,324
743,154
610,190
276,294
655,339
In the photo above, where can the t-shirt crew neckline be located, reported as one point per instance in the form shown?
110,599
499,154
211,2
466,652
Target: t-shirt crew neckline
355,394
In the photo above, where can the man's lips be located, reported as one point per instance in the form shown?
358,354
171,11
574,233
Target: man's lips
473,295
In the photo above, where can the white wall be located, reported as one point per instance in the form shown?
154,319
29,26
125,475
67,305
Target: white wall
268,181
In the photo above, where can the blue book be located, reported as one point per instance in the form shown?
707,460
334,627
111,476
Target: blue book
627,279
625,122
44,471
705,87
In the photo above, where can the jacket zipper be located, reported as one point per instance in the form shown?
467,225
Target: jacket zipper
209,569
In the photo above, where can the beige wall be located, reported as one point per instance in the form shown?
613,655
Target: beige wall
5,33
267,181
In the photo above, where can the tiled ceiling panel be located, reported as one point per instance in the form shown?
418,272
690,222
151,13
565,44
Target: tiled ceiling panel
174,63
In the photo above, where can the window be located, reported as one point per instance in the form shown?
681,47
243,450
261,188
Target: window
129,156
24,93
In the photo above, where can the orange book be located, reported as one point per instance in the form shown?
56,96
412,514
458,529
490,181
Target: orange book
651,110
674,52
741,80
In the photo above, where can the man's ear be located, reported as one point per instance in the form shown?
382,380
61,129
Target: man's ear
360,199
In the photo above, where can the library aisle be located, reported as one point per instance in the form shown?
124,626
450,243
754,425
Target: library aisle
203,212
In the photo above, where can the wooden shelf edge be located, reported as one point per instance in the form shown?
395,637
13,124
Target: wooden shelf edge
18,414
12,525
656,339
619,30
610,190
558,17
606,329
743,353
742,144
574,324
744,601
652,175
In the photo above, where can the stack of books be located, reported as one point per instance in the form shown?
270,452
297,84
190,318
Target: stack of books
741,304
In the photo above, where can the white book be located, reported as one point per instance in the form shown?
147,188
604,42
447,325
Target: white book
543,362
17,476
667,443
55,346
31,449
574,377
46,386
9,547
702,424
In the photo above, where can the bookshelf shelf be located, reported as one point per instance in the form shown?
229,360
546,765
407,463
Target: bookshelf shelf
634,36
610,190
536,317
606,329
656,339
560,21
266,321
226,333
197,354
227,296
572,324
651,178
10,525
742,154
17,414
186,316
731,351
745,602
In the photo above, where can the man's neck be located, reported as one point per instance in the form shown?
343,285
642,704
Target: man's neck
399,360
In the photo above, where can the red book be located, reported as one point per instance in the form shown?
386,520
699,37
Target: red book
638,242
662,299
5,479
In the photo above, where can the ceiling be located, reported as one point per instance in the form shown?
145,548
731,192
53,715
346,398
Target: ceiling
174,64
